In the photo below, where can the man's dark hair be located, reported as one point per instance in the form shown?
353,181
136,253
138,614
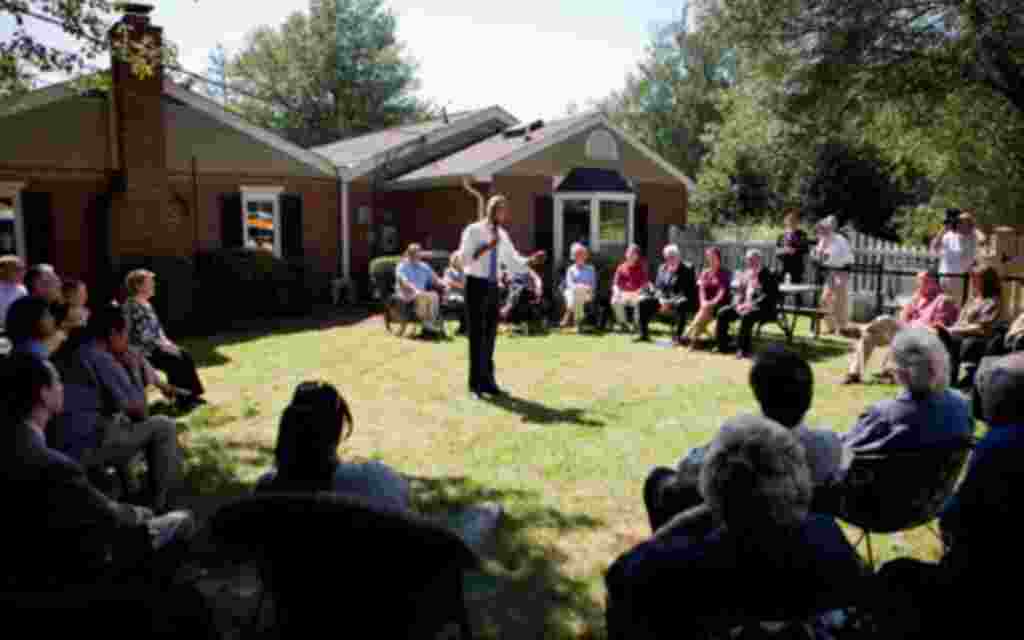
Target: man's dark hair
1000,383
783,385
24,317
106,321
32,276
22,377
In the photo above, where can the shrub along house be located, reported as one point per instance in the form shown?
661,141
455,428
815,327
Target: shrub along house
150,173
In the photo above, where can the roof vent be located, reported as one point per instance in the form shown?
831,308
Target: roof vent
523,130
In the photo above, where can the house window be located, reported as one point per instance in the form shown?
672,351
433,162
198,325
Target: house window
261,218
12,232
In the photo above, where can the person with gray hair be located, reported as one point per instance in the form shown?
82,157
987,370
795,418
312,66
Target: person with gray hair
755,298
674,293
758,488
928,413
580,285
927,600
833,252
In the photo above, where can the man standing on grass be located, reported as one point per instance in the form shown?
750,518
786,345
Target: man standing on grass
484,246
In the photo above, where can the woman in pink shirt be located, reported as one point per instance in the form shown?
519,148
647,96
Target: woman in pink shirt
712,288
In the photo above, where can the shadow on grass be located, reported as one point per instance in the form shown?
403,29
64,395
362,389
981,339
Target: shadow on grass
536,413
205,350
524,591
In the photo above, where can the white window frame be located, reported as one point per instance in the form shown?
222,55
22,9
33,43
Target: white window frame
13,191
262,194
595,198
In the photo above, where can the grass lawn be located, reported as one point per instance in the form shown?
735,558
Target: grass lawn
566,455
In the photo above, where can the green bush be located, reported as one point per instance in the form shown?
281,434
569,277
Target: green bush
176,279
239,284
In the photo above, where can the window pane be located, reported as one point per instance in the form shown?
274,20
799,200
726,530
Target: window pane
614,222
259,225
575,225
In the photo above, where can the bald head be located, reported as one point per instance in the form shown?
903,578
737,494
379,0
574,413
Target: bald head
1001,388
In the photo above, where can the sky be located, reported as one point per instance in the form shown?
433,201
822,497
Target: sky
532,57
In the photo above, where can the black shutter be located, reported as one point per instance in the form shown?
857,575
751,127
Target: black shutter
232,233
37,213
291,226
544,231
640,230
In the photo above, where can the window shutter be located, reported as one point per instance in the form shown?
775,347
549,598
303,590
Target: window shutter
641,234
291,225
37,210
232,235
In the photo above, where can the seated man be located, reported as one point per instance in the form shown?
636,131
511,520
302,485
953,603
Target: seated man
927,413
31,326
522,291
930,600
67,532
783,384
755,300
414,280
675,293
115,375
628,286
929,308
757,485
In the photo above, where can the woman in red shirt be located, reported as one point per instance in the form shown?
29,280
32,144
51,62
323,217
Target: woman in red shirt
713,290
630,280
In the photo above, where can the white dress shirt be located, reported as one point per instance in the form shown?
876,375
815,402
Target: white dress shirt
836,251
479,234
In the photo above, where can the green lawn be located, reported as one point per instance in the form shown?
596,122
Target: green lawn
566,456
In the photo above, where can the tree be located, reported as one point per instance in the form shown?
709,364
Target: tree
334,72
86,22
15,79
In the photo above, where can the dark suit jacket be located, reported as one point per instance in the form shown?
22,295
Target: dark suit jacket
59,525
681,282
766,298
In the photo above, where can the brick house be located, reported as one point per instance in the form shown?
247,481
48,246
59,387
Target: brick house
89,179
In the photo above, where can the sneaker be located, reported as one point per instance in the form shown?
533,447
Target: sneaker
851,378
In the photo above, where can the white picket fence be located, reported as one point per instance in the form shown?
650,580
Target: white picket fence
867,250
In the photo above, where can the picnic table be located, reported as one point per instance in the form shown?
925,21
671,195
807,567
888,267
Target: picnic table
792,308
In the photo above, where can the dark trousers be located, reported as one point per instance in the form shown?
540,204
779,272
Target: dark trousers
482,320
746,333
648,308
180,369
963,349
666,496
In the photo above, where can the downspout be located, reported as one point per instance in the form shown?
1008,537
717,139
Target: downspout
344,233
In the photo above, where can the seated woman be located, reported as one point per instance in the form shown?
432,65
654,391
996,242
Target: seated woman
755,300
927,413
455,284
416,283
675,293
580,285
306,457
147,335
756,483
630,281
967,338
712,291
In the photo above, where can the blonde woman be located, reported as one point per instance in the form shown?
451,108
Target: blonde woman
485,245
579,287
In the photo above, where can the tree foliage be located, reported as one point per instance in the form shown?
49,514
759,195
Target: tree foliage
332,72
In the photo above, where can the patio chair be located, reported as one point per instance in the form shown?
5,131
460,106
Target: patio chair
400,314
894,491
320,551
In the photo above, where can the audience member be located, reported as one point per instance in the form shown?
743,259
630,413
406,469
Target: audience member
306,457
67,531
925,600
147,335
455,287
713,286
833,252
957,246
31,326
41,280
783,385
926,414
113,408
755,300
76,295
930,308
579,286
757,485
416,283
793,247
12,270
627,289
968,338
675,294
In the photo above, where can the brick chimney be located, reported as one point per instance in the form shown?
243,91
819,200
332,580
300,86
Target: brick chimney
138,214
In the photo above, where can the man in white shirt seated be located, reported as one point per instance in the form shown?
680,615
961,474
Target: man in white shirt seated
413,282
